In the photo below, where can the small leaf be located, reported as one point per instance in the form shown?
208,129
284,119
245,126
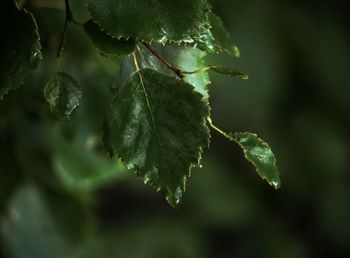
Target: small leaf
260,155
229,72
222,36
106,44
157,20
156,125
20,46
63,94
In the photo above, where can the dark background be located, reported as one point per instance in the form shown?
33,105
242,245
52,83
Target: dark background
297,54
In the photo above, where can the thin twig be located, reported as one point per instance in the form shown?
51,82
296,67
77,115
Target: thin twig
177,71
68,19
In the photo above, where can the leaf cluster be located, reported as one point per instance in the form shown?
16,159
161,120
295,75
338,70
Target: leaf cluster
158,120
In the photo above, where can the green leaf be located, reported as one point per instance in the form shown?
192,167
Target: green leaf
106,44
222,37
20,46
182,57
156,125
229,72
260,155
63,94
156,20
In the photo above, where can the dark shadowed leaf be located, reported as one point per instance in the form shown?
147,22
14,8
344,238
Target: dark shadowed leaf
106,44
157,20
156,125
20,46
63,94
260,155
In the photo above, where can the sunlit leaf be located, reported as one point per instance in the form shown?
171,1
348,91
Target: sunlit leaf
184,58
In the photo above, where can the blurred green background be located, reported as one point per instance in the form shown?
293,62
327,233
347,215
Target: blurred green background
297,54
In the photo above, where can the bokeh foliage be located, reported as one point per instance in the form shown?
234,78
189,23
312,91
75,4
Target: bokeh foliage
297,56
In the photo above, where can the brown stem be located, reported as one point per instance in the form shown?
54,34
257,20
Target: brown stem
176,70
68,19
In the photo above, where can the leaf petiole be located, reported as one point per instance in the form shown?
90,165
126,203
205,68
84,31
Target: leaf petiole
176,70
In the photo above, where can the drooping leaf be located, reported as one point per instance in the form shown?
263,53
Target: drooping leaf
20,46
106,44
229,72
222,37
260,155
156,125
63,94
156,20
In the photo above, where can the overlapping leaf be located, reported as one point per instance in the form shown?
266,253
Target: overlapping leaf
155,20
20,46
182,57
156,125
106,44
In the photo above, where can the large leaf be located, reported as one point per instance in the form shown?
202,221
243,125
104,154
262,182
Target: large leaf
106,44
155,20
260,155
156,125
63,94
20,46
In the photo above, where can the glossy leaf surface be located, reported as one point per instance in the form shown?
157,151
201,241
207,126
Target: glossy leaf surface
156,125
63,94
156,20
